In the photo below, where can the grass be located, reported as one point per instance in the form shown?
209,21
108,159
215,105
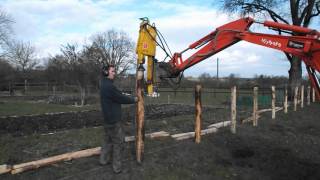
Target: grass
33,147
18,108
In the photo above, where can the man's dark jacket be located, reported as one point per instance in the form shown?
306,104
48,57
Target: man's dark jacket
111,100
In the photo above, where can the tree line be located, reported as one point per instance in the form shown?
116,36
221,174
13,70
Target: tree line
76,64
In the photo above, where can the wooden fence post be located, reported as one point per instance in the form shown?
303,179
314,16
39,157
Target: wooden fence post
285,101
313,95
308,95
302,96
197,127
255,106
140,115
295,98
54,89
273,102
25,86
233,109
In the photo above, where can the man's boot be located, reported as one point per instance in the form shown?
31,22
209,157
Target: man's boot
103,160
105,155
116,162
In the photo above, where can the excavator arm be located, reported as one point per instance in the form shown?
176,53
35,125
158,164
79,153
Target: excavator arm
304,43
305,46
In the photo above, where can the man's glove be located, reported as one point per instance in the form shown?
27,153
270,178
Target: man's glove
136,99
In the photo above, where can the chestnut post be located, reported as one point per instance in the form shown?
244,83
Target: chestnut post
54,89
313,95
18,168
273,102
255,106
25,86
285,104
302,96
295,98
197,126
308,95
233,109
140,115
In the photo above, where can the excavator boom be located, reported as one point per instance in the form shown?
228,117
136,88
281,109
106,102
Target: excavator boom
303,43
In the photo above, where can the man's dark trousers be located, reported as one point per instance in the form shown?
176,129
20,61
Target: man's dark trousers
113,145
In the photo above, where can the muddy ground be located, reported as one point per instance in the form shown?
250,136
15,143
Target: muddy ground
53,122
285,148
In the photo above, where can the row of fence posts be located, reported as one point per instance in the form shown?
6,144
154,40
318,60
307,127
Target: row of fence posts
255,106
273,103
198,111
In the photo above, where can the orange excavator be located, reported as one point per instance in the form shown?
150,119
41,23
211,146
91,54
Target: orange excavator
301,42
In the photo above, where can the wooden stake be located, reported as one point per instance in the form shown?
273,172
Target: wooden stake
308,95
302,96
249,119
295,98
5,168
279,109
313,95
140,116
255,106
54,90
233,109
25,86
266,110
150,135
54,159
211,129
273,102
197,127
285,101
220,124
263,110
188,135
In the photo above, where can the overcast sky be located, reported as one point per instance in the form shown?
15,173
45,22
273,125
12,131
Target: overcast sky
50,24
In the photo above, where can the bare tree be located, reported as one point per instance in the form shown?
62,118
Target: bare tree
22,55
233,80
295,12
56,70
113,47
77,68
5,30
6,75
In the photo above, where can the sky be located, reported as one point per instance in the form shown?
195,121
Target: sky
48,24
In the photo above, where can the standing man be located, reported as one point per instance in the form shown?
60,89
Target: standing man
111,100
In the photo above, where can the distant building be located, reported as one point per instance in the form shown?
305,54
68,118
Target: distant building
40,68
190,78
